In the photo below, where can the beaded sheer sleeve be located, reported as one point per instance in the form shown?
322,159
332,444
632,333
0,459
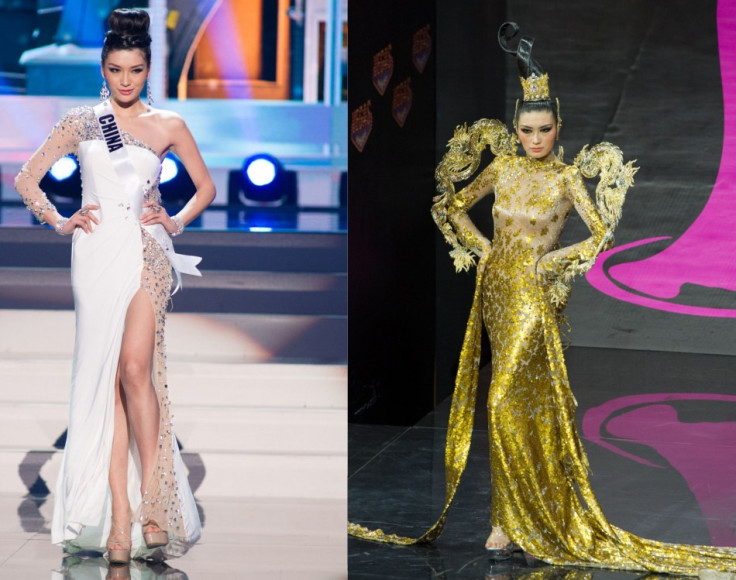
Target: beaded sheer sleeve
63,140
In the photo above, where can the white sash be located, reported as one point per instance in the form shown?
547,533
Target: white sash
180,263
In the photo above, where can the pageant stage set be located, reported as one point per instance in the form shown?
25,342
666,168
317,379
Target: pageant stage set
257,345
652,359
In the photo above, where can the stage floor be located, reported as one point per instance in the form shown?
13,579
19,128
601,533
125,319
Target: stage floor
243,538
263,437
396,474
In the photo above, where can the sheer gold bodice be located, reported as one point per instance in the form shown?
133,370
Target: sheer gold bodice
533,199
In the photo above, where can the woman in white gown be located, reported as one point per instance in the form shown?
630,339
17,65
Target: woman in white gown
123,485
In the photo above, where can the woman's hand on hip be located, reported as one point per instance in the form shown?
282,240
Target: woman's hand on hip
157,214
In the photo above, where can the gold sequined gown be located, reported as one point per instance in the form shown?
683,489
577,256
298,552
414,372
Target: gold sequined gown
108,267
541,495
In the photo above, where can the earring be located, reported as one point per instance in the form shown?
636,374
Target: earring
150,95
104,92
559,120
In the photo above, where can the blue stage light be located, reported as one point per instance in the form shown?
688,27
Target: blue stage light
261,170
174,182
63,183
262,182
169,169
63,169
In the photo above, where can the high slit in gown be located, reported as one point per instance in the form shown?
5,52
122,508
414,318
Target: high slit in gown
109,266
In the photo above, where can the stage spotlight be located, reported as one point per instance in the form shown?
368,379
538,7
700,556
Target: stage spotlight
63,168
63,183
260,171
169,169
174,183
263,182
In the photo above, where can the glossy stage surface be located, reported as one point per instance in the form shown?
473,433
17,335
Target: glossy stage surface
264,443
244,538
660,434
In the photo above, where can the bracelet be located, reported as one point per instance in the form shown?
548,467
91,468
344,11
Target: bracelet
179,226
60,225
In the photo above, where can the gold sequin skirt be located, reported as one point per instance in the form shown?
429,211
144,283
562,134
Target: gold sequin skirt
541,494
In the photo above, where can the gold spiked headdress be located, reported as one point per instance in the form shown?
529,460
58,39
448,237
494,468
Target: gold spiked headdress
535,87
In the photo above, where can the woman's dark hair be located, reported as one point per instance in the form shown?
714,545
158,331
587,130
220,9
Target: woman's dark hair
128,31
536,106
527,67
523,51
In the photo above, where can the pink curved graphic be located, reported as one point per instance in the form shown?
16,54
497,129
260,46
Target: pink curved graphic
703,453
704,254
597,278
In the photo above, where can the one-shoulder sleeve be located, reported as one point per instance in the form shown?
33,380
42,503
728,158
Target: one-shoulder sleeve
63,140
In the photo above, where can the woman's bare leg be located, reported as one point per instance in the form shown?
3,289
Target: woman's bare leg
119,474
136,362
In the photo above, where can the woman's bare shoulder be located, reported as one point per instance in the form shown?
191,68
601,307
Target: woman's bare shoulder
169,120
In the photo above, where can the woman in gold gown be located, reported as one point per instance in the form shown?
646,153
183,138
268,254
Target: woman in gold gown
541,498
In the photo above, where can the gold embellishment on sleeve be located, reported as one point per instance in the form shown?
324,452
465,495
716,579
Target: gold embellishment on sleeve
458,164
616,177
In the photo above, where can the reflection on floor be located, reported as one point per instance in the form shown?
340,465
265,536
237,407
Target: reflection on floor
264,444
97,567
663,480
242,538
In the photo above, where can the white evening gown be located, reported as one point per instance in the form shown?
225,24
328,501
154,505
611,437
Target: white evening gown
108,267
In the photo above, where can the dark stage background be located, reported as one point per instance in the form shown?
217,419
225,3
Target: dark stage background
391,280
397,282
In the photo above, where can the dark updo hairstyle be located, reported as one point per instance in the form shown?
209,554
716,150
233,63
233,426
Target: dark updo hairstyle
527,67
128,31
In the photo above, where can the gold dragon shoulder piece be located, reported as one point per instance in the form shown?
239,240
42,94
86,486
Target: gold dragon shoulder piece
459,163
616,177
